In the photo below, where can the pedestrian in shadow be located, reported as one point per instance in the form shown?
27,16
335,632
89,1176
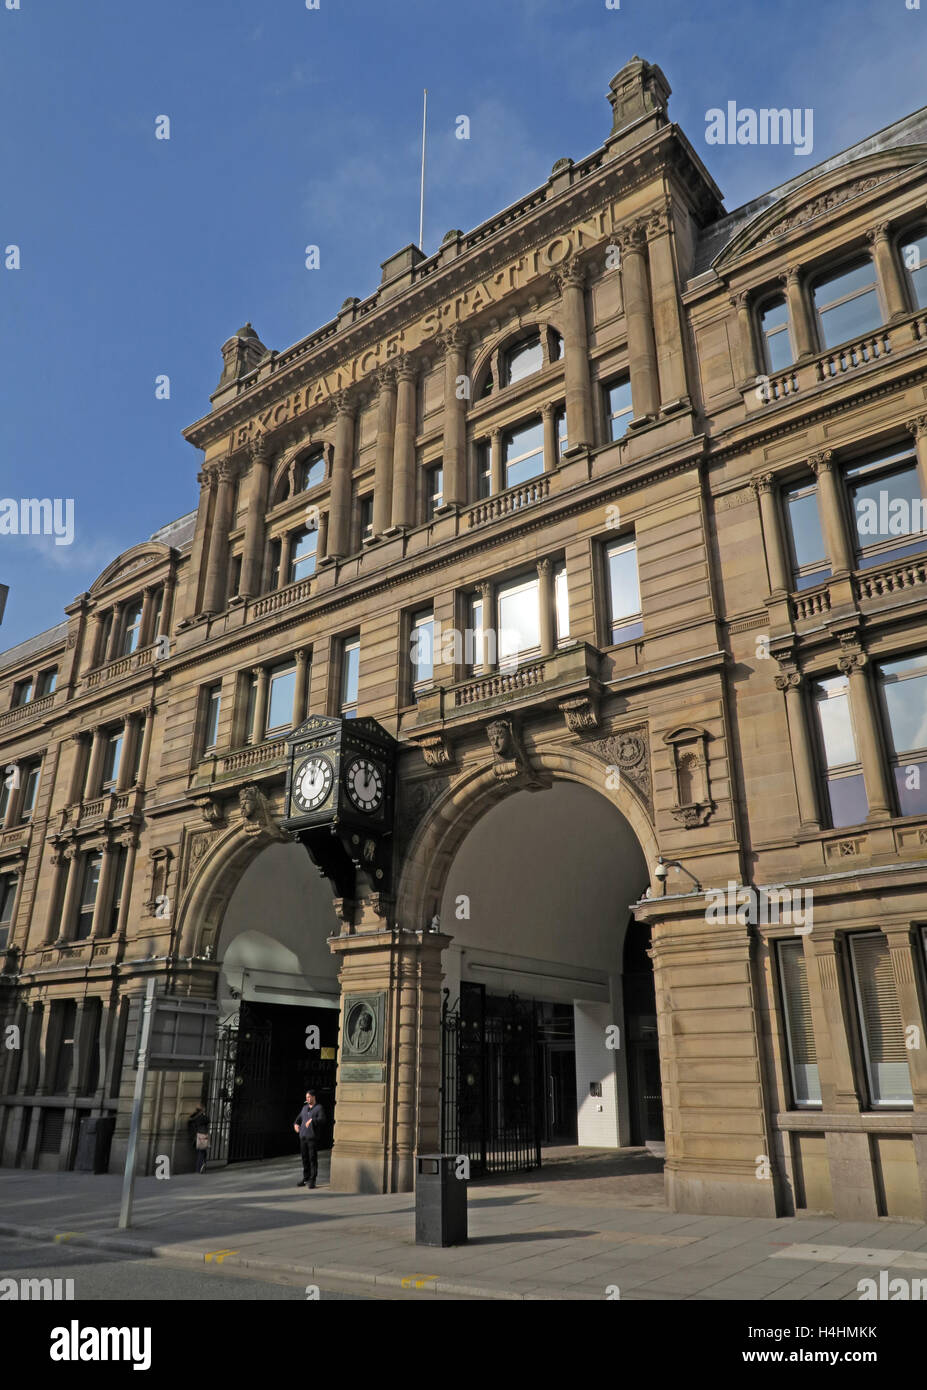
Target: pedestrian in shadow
198,1129
308,1125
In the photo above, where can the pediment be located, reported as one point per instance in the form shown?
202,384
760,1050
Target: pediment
819,197
125,565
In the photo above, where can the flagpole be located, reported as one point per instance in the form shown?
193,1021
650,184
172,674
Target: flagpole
421,206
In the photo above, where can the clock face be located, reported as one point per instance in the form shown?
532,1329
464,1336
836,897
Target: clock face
363,782
312,782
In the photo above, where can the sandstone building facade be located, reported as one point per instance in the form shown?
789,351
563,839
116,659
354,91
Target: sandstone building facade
611,513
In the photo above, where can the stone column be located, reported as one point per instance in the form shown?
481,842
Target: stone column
260,704
404,448
301,687
455,416
865,723
322,550
339,532
60,868
208,480
218,563
887,272
570,279
167,607
667,321
764,487
839,1088
146,747
830,512
901,951
115,633
746,369
129,843
496,469
286,551
789,681
92,656
47,1049
642,350
799,314
103,902
252,554
918,427
145,635
129,736
551,459
386,428
546,606
72,888
78,767
95,765
490,653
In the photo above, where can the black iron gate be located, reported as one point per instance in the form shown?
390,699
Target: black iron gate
238,1119
490,1107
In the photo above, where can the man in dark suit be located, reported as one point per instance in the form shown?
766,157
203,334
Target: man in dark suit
308,1125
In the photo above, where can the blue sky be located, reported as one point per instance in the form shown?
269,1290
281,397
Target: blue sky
289,127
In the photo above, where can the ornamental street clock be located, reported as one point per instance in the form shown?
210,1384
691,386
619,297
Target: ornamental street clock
340,795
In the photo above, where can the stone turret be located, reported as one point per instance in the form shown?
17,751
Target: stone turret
638,96
240,354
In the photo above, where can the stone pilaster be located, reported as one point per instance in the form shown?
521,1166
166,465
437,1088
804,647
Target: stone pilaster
386,428
764,486
638,312
789,681
455,416
830,512
571,278
217,564
669,332
865,722
253,549
888,271
404,448
339,532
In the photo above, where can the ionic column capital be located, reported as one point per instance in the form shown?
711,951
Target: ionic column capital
852,661
822,462
917,426
763,483
880,232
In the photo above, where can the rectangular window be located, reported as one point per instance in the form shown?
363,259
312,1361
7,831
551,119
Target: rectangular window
799,1036
65,1020
473,653
562,600
423,648
810,564
8,884
158,608
434,490
365,517
280,695
234,576
350,671
46,682
30,779
23,692
303,556
483,471
845,786
624,595
904,695
886,506
88,895
774,330
560,431
618,409
212,700
523,453
518,628
847,304
914,256
880,1022
131,627
105,632
111,759
274,580
248,694
6,779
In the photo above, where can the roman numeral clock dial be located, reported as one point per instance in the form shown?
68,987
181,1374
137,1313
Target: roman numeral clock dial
363,781
312,782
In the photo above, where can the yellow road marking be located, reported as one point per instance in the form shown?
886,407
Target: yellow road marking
66,1235
417,1281
218,1255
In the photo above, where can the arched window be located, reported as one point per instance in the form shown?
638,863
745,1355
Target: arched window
524,359
310,471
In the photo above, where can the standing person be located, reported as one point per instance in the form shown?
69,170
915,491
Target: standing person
308,1125
198,1129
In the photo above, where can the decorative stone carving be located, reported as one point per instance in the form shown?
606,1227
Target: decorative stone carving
851,661
580,713
415,800
788,680
211,809
436,750
688,747
628,750
255,813
570,274
510,763
826,202
159,861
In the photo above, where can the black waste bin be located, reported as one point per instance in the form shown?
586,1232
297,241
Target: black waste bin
440,1201
93,1144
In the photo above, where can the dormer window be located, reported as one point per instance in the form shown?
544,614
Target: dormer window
525,359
